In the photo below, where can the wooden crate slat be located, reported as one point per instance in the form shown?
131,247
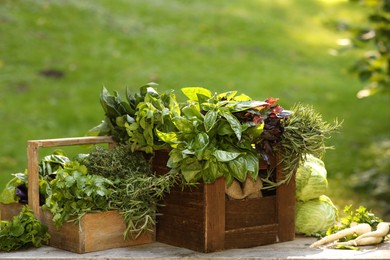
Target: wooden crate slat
285,204
250,212
251,236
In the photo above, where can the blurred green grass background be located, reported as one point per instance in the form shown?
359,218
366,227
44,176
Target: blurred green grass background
55,57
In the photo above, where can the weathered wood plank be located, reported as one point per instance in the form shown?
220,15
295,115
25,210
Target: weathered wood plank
214,199
250,212
285,204
8,211
251,236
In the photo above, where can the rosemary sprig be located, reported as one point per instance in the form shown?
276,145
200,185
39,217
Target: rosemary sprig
305,132
137,190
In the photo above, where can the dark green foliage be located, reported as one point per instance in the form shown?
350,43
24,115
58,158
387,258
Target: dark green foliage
215,135
136,190
24,230
74,193
134,120
374,178
305,132
374,67
118,162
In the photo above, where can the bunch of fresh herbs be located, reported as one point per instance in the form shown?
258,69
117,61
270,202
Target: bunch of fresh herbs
74,192
305,132
215,136
132,121
136,190
22,231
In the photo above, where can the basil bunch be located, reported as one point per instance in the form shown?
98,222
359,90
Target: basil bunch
215,136
210,135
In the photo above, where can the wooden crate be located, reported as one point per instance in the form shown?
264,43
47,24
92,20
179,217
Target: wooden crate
204,219
94,231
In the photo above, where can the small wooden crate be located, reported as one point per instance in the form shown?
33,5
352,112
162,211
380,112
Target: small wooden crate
94,231
204,219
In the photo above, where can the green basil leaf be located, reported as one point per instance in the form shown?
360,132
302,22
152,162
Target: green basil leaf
101,129
191,111
234,124
202,98
192,93
211,172
226,95
183,124
252,164
224,156
175,157
210,120
191,170
170,138
228,179
244,105
238,168
242,97
224,128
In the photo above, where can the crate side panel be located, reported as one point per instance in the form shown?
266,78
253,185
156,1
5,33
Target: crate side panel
67,237
8,211
181,231
250,237
105,230
250,212
181,220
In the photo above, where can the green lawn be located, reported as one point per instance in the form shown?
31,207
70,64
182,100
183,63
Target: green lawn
55,56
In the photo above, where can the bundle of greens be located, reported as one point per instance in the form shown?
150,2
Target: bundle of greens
136,190
74,192
305,132
216,133
24,230
134,120
212,135
104,179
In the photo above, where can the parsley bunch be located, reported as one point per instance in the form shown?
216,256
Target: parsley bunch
24,230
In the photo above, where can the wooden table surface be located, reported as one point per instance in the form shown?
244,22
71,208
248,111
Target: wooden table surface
297,249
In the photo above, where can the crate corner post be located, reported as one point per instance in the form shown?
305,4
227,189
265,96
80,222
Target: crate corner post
33,177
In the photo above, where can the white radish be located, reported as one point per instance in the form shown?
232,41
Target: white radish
358,229
365,241
381,231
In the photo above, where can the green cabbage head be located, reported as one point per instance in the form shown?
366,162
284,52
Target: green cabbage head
315,216
311,179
